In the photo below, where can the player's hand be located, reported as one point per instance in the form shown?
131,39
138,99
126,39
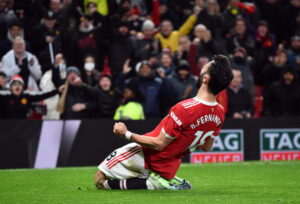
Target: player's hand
120,129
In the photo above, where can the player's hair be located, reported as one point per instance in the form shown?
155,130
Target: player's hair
220,74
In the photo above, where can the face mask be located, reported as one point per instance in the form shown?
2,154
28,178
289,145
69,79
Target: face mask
62,70
239,60
89,66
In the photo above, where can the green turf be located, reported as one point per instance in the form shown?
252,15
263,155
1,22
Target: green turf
247,182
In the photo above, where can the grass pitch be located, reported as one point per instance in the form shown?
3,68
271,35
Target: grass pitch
246,182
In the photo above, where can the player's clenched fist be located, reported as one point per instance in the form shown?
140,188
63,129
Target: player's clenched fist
120,129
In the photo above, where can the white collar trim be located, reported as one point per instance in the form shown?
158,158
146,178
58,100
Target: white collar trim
206,102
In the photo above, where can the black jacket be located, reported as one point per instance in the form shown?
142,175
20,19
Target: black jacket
107,102
77,94
17,107
282,100
41,48
239,102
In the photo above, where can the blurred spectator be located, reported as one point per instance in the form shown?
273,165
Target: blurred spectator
200,3
16,103
46,41
210,17
235,9
294,50
239,38
166,13
272,71
55,6
298,69
272,11
101,6
120,48
154,60
184,84
131,108
166,65
241,61
145,43
92,11
141,5
46,84
183,51
18,61
196,68
122,11
206,46
15,30
88,40
80,99
282,98
169,38
109,98
240,104
135,22
2,80
91,74
7,17
264,47
289,18
155,90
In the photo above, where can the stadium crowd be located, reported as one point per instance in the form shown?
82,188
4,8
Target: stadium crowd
134,59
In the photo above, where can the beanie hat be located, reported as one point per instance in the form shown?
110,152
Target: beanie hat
73,69
135,10
2,73
263,23
183,65
140,64
16,78
242,50
148,24
134,86
50,15
123,24
106,74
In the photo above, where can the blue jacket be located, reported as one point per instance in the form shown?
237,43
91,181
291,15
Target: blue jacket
154,90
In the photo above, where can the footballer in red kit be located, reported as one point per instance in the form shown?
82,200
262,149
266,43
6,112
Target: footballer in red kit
152,160
189,123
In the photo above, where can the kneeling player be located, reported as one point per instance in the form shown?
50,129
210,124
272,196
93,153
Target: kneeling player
151,162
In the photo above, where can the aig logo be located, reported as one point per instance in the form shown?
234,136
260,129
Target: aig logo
280,144
227,147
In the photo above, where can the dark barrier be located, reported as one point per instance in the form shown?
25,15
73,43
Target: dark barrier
47,144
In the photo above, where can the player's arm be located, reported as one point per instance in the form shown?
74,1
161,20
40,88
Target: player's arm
207,145
157,143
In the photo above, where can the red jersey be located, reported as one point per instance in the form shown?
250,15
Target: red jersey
189,123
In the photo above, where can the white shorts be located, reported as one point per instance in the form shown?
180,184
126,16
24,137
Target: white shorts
125,162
